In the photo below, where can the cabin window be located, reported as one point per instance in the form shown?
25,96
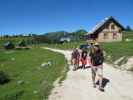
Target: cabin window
105,35
112,27
114,35
119,30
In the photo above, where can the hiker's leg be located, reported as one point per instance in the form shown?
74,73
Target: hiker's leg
100,76
101,88
81,64
100,80
71,61
84,66
74,64
93,76
74,68
77,64
84,63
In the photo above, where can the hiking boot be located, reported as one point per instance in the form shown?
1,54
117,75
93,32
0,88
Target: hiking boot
101,89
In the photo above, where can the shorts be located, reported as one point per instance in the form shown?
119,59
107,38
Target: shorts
98,70
75,61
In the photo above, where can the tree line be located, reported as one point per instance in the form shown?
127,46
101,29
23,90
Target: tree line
50,37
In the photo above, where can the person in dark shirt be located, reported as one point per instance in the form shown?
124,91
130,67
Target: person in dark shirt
97,59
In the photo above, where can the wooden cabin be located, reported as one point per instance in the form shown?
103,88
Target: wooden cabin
108,30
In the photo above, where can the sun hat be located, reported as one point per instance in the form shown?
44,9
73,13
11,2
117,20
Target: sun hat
96,44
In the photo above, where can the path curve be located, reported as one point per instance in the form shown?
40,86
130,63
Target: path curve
78,84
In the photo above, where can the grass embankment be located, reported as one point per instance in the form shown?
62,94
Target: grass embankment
117,50
128,35
30,81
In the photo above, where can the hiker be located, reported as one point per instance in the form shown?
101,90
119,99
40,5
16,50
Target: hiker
75,58
84,59
97,59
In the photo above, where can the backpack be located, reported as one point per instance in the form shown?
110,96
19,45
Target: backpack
97,58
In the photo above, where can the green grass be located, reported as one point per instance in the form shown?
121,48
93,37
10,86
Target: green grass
128,35
118,49
24,65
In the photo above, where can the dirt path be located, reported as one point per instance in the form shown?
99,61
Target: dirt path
78,84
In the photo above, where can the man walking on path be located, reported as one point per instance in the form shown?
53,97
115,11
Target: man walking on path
97,59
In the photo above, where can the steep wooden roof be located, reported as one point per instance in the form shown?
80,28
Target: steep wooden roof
100,26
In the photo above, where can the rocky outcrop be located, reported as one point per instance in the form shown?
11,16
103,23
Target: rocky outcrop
124,63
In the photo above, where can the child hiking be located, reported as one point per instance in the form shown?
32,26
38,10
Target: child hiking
97,59
84,58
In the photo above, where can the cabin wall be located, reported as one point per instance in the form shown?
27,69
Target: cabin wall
110,38
111,33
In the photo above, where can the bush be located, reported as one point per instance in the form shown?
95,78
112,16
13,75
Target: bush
4,78
9,45
22,43
14,95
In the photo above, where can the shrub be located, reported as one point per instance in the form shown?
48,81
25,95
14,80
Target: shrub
9,45
22,43
14,95
4,78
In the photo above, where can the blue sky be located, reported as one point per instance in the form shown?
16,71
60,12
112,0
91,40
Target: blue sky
40,16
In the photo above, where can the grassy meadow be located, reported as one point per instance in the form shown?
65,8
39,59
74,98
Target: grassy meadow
29,79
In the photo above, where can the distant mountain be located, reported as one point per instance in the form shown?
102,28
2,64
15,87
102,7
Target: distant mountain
79,34
55,37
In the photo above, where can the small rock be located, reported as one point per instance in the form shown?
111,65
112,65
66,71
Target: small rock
45,64
119,60
12,59
38,68
20,82
128,40
49,63
35,92
108,57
